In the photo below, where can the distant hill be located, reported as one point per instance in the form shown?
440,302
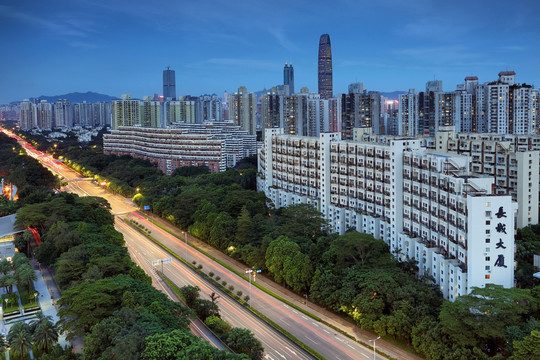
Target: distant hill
77,97
394,95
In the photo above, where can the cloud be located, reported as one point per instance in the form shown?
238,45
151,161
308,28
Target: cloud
235,62
279,35
68,25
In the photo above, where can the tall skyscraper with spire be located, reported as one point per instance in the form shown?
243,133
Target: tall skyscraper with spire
325,67
288,77
169,83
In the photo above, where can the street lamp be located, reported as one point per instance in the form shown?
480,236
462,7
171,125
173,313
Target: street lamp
35,297
6,300
185,238
374,342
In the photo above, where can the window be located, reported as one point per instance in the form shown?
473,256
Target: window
488,222
487,258
487,276
488,241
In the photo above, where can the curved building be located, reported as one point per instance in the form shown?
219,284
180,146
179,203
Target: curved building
325,67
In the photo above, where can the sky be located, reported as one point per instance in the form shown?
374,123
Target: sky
121,47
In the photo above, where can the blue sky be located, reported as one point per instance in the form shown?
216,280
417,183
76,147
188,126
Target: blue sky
116,46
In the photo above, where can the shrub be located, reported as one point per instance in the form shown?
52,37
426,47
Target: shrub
211,274
218,278
231,288
239,293
224,283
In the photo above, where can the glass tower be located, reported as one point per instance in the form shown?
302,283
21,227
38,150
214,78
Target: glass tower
325,67
288,77
169,83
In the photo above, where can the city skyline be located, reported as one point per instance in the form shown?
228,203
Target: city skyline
123,48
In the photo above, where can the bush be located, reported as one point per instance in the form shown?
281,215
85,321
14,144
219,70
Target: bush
239,293
231,288
211,274
218,278
217,325
246,298
224,283
200,267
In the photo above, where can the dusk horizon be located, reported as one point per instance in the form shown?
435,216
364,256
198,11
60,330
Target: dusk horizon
388,46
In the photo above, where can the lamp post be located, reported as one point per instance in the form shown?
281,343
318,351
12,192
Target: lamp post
35,297
6,300
374,342
248,271
185,238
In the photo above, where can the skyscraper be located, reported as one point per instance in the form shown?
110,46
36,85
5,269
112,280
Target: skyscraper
288,78
325,67
169,84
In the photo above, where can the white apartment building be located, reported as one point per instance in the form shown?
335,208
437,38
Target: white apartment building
513,161
215,145
419,202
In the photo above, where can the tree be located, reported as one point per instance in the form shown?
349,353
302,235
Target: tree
25,276
479,319
277,253
190,294
243,226
45,335
88,303
20,339
528,348
243,341
205,308
7,281
217,325
361,250
20,259
5,266
3,343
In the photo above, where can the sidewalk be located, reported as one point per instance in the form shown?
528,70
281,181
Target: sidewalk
47,298
50,293
327,316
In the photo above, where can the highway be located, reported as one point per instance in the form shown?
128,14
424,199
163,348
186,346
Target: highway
323,339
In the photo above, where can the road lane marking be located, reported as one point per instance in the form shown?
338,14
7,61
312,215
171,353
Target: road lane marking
326,331
294,311
317,325
350,346
305,318
310,339
287,306
291,350
280,354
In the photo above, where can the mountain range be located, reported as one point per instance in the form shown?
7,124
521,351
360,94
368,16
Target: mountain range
77,97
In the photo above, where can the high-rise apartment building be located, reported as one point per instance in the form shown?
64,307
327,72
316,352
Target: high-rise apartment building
326,89
288,78
408,113
182,110
125,112
208,109
63,114
426,206
360,110
44,115
27,119
243,110
169,84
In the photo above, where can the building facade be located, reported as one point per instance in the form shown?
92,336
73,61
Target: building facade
169,84
326,89
421,203
215,145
